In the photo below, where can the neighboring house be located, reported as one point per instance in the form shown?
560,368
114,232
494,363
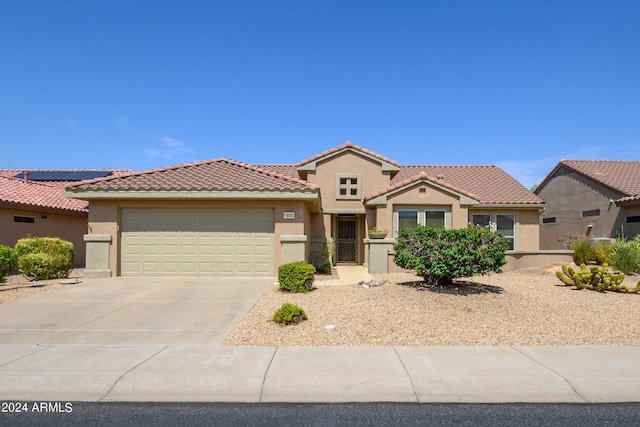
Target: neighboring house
33,203
223,217
590,198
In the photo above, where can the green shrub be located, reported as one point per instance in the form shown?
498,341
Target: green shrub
583,252
324,269
8,262
441,255
288,314
321,255
626,256
44,258
296,277
603,251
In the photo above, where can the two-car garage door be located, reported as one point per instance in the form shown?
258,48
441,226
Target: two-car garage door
214,242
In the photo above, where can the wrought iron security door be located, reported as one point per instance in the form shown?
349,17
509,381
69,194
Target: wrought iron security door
346,241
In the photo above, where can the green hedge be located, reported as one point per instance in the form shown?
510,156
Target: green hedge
44,258
8,262
296,277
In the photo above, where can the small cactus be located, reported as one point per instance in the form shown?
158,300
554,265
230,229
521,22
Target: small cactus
594,278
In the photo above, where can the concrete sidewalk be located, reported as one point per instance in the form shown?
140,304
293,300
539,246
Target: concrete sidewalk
319,374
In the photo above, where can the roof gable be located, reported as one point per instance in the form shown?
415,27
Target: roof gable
380,197
488,184
311,163
622,176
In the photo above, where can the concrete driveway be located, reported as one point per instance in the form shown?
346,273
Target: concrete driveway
133,311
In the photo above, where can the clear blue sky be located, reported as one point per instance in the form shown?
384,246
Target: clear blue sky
143,84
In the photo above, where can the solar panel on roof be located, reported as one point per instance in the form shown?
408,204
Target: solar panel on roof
63,175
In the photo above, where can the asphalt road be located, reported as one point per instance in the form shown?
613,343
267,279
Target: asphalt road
344,414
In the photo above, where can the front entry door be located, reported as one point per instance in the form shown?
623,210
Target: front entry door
346,240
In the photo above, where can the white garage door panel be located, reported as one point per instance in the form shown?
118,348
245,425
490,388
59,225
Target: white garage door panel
214,242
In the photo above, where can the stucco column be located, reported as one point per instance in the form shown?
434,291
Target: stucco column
377,254
293,248
97,258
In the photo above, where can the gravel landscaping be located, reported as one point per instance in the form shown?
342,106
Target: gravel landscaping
527,307
18,287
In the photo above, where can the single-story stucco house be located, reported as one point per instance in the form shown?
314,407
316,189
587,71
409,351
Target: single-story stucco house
590,199
226,218
33,203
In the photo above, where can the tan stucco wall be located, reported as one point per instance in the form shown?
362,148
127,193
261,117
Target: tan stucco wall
528,230
46,224
104,218
629,230
373,179
566,196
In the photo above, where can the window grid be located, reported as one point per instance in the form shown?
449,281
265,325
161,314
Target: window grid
348,187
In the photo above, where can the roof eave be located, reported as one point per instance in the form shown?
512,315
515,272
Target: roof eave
193,194
43,209
510,205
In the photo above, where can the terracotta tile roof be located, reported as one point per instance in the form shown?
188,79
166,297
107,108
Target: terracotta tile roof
634,198
289,170
16,191
217,174
620,175
487,183
351,145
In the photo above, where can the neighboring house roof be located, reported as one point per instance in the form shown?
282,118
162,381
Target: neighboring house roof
217,174
488,184
622,176
15,191
59,177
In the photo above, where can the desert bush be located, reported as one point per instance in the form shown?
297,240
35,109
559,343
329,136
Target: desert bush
441,255
625,255
296,277
8,262
324,268
603,251
44,258
583,252
569,240
289,313
322,254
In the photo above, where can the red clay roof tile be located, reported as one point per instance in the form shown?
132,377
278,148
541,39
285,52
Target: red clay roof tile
37,194
620,175
217,174
487,183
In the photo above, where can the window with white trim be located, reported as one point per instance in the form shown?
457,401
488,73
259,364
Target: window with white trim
348,187
502,223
